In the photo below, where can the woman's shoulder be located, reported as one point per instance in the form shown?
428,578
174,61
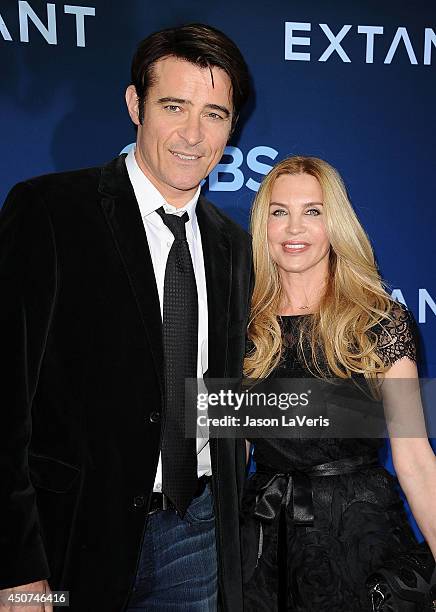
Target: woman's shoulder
396,335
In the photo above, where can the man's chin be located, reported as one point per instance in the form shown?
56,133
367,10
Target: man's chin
187,185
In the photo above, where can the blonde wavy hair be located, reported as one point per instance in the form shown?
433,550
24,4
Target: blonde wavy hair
354,300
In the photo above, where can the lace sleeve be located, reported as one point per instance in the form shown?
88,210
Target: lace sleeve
397,338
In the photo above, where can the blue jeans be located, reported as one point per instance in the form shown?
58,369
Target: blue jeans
178,564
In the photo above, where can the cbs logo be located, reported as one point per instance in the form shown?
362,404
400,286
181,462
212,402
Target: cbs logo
229,175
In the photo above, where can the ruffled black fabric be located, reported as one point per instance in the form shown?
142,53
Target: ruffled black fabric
359,519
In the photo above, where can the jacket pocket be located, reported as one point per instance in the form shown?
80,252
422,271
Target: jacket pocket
52,474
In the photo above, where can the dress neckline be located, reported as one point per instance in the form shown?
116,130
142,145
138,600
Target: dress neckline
296,316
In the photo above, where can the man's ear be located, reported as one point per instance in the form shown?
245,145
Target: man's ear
132,104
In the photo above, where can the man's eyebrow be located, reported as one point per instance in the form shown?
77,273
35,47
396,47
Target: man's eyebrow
173,100
218,107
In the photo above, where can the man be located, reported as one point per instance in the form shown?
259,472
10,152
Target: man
117,284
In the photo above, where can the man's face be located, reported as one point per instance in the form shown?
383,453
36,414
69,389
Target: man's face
187,122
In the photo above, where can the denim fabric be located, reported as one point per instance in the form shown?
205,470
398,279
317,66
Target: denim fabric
178,564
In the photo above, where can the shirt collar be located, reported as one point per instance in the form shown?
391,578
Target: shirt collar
150,199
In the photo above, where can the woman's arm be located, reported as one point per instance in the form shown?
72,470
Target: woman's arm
413,457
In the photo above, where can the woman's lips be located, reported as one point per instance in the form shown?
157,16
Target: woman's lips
295,247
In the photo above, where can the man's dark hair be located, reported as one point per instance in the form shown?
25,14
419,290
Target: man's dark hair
198,44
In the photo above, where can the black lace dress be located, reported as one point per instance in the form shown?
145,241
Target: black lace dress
356,520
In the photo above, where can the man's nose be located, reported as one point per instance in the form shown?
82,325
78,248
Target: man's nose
191,130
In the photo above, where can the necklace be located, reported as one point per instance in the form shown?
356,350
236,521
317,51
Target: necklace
307,296
306,305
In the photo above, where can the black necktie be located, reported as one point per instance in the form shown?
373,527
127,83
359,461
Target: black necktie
180,333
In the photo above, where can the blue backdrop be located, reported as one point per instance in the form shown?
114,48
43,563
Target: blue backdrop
353,83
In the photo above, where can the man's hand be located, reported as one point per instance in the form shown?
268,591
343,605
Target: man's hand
10,599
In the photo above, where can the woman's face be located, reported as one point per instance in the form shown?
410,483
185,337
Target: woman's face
297,236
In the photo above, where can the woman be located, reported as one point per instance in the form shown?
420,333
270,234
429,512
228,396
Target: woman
319,309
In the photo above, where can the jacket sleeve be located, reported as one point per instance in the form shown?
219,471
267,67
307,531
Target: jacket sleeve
28,280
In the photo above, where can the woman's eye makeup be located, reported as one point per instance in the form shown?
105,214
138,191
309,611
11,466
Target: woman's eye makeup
310,212
279,212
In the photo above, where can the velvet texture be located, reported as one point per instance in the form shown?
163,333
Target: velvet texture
82,370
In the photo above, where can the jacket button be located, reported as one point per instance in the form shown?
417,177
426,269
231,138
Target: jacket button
154,417
139,501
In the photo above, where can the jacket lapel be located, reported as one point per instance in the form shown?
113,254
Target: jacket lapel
218,271
123,216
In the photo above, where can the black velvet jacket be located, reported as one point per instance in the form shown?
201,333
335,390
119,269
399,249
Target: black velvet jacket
81,372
